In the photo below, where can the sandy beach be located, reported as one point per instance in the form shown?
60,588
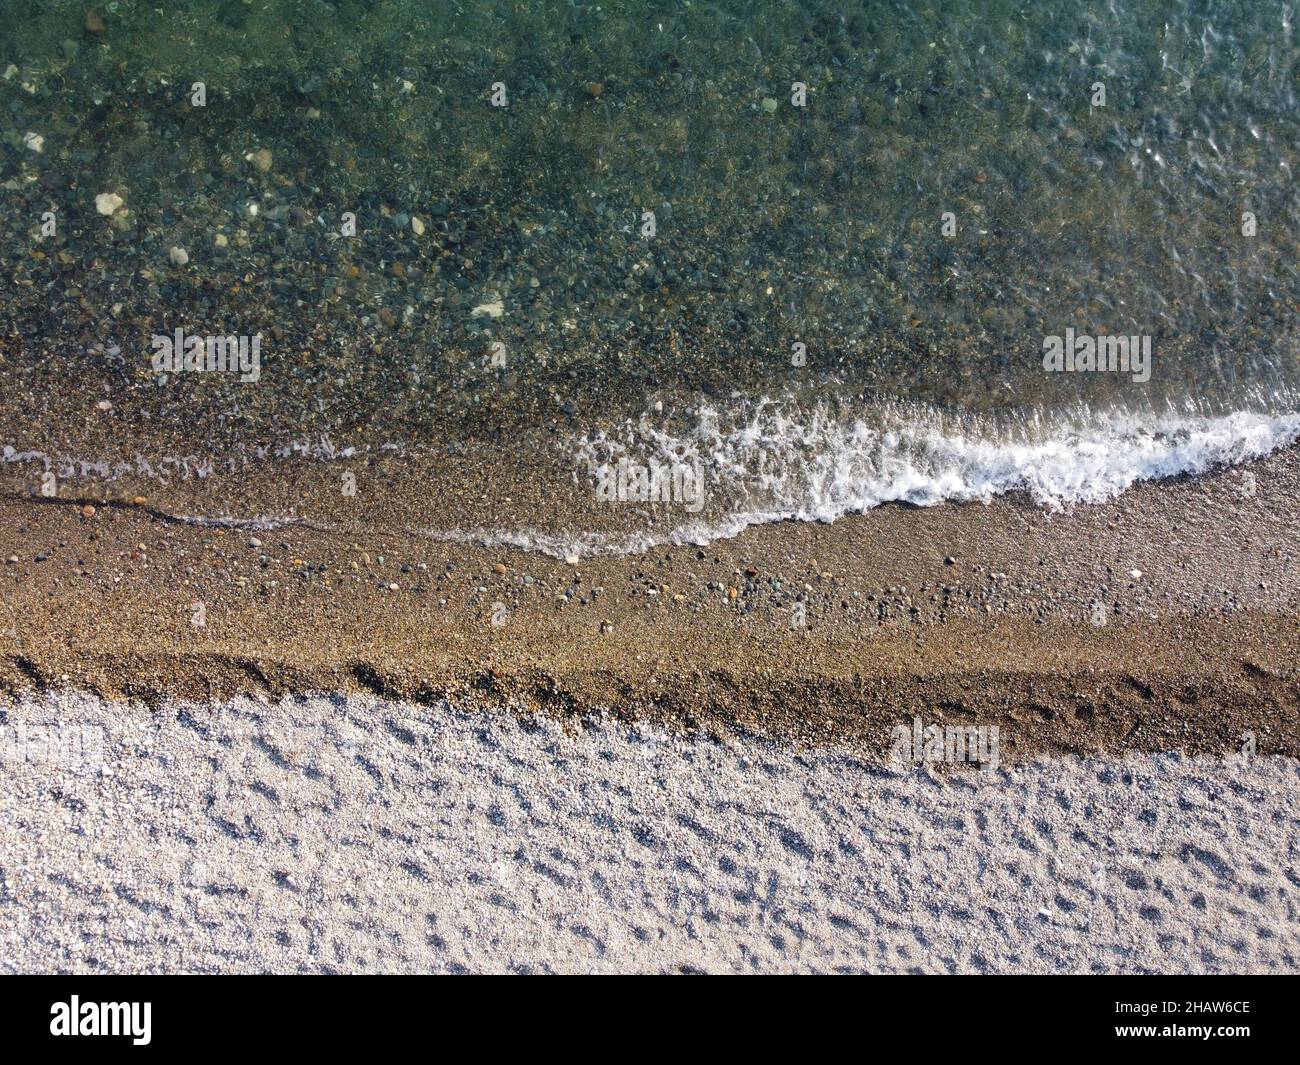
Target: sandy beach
1162,620
644,767
363,835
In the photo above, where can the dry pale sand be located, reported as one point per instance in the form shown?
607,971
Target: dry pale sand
352,834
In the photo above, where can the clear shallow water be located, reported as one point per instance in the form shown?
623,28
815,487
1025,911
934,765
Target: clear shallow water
962,181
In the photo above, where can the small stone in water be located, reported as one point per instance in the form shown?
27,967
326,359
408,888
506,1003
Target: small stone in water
495,309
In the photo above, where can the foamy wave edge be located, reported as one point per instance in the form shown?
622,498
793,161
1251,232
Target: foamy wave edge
774,464
820,468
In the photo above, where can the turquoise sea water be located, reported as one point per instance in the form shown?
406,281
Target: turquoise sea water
452,221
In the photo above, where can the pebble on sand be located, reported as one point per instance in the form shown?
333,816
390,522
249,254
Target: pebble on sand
261,159
88,511
417,227
493,309
179,256
108,202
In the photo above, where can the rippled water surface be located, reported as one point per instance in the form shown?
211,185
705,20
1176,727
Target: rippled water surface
571,217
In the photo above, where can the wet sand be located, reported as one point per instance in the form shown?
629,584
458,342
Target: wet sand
972,614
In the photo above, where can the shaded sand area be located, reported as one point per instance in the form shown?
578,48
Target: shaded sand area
331,834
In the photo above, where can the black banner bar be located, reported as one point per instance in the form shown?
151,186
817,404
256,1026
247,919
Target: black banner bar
93,1015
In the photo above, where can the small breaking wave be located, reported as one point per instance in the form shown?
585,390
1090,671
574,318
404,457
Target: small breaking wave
776,463
780,460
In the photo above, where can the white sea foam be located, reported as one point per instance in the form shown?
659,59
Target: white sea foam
819,465
165,469
774,464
